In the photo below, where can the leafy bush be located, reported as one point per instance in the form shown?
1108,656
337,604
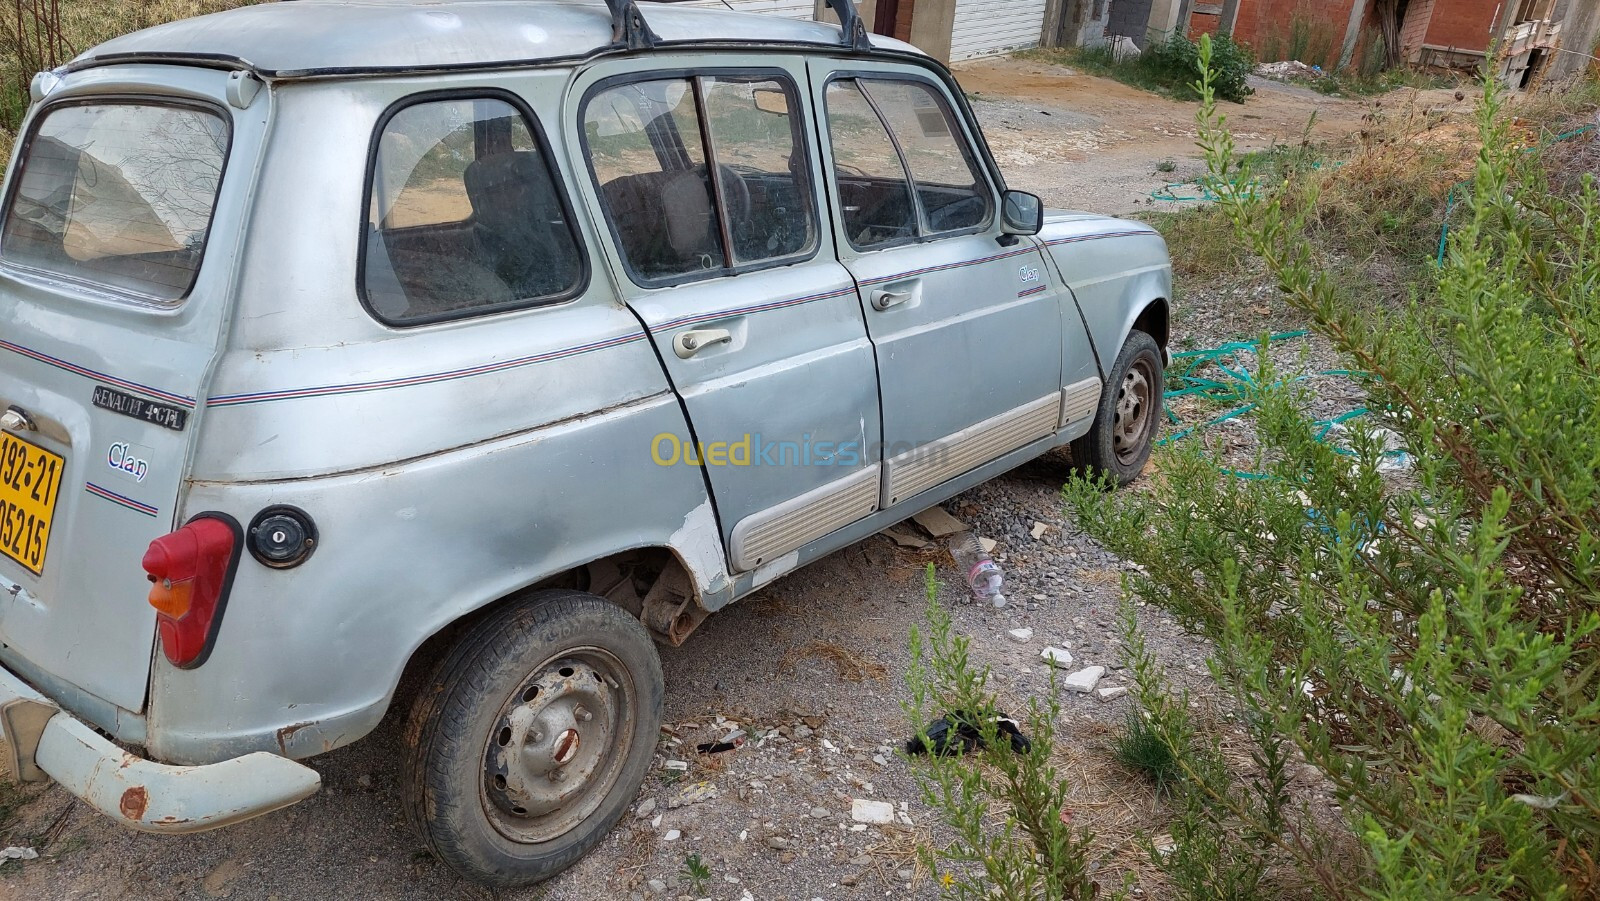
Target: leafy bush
1166,68
1429,640
1176,61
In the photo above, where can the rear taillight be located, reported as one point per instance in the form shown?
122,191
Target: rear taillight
190,571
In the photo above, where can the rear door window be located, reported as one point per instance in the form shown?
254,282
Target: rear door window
702,175
119,194
465,215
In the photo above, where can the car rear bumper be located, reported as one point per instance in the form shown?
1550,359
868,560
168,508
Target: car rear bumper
47,742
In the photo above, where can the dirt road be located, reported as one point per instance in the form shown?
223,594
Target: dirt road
814,664
1090,143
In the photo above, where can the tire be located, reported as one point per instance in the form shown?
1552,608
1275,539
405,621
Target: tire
1125,424
532,737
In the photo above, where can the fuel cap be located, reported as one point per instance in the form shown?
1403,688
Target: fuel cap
282,537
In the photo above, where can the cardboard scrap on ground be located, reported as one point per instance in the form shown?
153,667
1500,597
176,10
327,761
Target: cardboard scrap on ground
905,538
939,523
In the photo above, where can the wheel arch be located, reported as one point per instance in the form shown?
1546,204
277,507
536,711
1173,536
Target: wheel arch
655,583
1155,320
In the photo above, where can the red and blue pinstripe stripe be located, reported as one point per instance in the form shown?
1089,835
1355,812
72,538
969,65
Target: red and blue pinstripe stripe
119,500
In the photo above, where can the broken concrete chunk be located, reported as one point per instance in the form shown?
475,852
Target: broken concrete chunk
988,544
692,794
939,523
1084,680
1056,656
672,835
1038,530
878,813
1112,692
646,807
1021,636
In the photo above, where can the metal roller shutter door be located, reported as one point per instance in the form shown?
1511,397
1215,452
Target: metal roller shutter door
988,27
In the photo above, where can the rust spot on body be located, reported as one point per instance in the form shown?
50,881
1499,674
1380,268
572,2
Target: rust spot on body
287,733
133,802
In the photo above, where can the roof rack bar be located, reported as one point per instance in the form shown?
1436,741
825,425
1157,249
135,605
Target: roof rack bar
853,30
628,27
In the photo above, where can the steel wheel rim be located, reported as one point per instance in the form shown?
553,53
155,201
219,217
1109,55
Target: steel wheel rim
1135,412
558,745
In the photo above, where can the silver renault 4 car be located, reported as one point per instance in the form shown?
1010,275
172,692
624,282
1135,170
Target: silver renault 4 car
506,338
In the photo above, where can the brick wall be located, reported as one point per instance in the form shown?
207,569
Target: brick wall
1414,31
1464,24
1260,21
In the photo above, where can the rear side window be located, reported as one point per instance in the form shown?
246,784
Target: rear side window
465,215
702,175
119,194
902,165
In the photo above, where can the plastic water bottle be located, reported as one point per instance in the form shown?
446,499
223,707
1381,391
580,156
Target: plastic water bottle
983,575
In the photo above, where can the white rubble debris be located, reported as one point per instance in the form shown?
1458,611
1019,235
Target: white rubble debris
1111,693
878,813
1287,69
1084,680
1056,656
1021,636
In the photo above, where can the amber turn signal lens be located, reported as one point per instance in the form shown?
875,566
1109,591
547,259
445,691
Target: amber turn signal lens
171,598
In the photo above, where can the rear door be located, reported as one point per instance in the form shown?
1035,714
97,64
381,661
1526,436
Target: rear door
706,177
116,258
965,322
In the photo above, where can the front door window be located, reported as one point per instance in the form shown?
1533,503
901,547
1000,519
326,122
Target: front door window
903,171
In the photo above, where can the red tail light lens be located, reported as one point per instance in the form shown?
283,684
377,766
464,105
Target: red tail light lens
190,571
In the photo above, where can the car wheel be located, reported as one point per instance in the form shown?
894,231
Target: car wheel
1125,424
532,737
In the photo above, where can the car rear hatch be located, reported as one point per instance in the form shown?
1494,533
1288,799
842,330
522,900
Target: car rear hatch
116,262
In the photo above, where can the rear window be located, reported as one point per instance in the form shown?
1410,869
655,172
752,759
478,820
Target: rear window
118,193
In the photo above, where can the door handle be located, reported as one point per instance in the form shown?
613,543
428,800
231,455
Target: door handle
689,343
883,300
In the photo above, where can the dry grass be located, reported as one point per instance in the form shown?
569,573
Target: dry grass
851,666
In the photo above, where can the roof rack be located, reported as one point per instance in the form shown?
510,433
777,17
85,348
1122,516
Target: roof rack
853,30
630,30
628,27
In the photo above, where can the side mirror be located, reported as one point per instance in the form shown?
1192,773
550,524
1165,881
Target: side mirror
1021,213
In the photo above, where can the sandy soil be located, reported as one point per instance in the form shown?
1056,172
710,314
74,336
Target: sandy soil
814,664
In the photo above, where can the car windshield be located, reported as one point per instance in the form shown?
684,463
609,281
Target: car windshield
119,194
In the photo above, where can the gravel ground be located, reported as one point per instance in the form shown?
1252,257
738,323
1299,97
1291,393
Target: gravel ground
813,667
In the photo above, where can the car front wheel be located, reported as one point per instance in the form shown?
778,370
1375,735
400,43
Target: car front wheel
532,737
1129,415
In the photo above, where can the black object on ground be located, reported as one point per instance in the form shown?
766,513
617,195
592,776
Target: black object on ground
957,733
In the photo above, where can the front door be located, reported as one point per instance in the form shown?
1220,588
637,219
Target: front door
707,179
966,327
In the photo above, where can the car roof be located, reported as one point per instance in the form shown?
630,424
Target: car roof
332,37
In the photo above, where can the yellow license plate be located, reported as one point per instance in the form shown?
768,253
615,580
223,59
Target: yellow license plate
29,479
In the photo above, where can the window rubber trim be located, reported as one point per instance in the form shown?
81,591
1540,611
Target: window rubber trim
973,151
536,129
136,298
797,131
